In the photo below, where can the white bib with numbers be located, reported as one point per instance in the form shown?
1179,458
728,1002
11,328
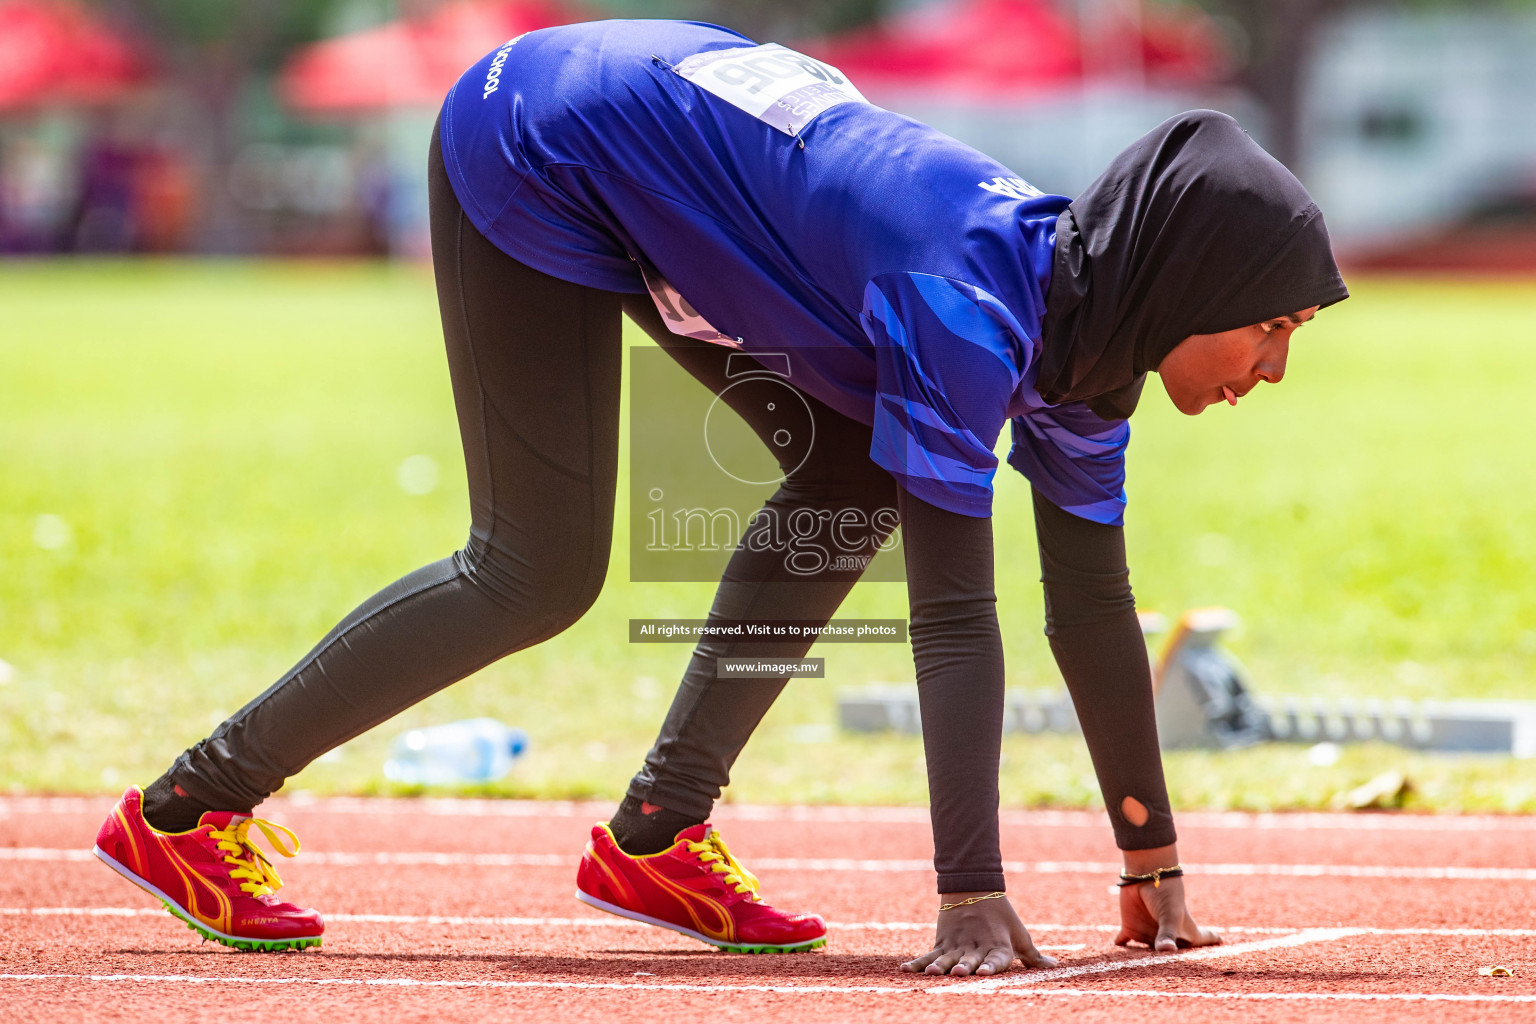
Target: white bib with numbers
773,83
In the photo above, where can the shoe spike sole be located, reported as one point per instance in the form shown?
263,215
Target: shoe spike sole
208,934
724,947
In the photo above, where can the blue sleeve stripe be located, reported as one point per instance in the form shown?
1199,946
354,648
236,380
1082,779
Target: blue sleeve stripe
912,413
1085,478
921,464
962,311
1047,427
1110,511
879,308
1075,444
930,430
930,447
948,358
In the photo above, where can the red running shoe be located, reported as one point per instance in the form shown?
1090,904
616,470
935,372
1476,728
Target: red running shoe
695,887
211,877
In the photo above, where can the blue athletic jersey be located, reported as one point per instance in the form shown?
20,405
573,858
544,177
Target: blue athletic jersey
902,271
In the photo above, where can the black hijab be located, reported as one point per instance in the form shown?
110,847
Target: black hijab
1192,230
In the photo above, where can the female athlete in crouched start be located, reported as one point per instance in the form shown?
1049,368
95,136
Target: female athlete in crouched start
744,202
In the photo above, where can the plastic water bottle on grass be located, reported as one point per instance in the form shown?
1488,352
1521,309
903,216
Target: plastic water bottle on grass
474,750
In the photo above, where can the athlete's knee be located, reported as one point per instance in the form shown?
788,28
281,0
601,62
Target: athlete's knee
544,592
569,600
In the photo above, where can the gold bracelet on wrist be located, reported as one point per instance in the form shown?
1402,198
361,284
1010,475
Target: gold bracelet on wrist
973,899
1155,876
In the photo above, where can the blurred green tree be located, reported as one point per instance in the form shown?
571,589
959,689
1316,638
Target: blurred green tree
214,48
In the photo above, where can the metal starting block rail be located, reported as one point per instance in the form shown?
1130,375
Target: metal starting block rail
1204,700
890,707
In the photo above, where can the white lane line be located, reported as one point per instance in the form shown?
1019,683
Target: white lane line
597,810
345,860
1007,981
1058,867
829,864
938,988
429,858
887,926
444,919
1361,997
1365,871
626,986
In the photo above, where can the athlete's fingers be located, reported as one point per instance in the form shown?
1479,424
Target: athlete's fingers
942,964
916,964
1126,937
997,961
968,963
1170,916
1207,937
1024,948
1032,957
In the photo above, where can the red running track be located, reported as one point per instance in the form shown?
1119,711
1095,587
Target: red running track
462,910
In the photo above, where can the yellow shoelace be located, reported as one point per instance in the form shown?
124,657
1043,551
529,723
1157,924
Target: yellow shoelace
247,861
717,855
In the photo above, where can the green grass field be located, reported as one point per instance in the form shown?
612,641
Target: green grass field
200,472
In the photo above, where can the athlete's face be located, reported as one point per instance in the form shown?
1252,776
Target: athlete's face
1204,369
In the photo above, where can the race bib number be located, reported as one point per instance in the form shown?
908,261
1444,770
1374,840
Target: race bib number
773,83
680,316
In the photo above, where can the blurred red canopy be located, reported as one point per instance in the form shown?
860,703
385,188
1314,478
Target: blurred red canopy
408,62
991,48
55,52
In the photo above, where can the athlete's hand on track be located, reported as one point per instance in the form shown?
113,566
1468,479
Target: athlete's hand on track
1157,917
982,938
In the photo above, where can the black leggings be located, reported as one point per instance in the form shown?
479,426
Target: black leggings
535,365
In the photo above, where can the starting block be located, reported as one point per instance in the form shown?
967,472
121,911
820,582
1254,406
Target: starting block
1200,691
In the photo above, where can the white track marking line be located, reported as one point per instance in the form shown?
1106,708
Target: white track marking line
482,808
1364,997
1302,938
425,858
623,986
1052,867
445,919
831,864
888,926
429,858
817,990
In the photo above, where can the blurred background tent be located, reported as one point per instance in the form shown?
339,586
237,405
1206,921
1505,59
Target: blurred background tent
424,56
52,51
1013,49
